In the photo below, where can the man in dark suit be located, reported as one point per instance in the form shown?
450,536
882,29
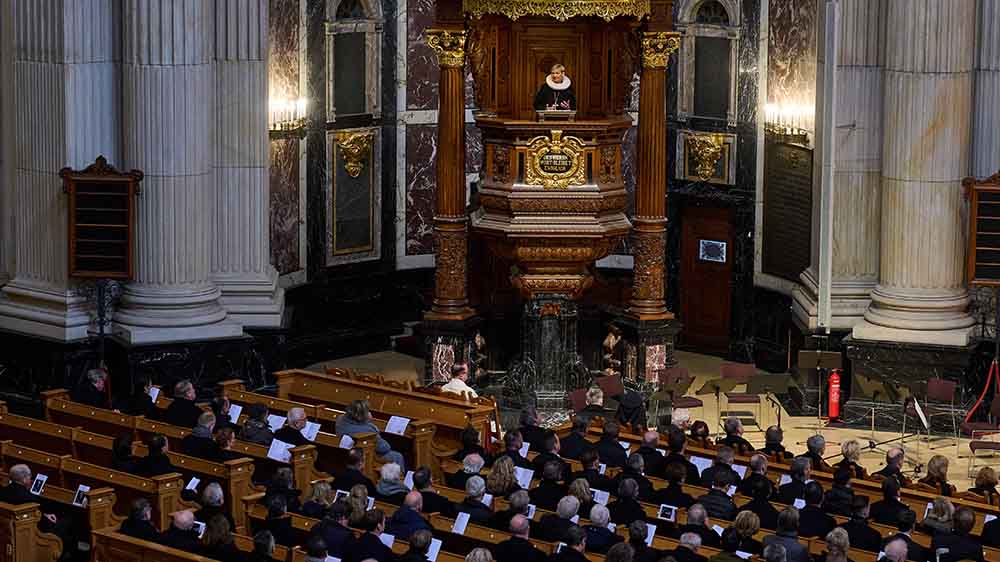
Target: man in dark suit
653,460
92,390
723,463
893,465
334,531
573,445
139,525
772,443
183,412
550,490
553,526
518,548
838,498
518,505
156,462
407,518
687,550
369,545
550,453
787,535
758,471
531,433
673,494
512,444
599,537
592,473
472,504
991,534
353,475
887,511
609,450
717,501
734,436
915,552
291,432
626,508
472,465
635,469
637,532
199,442
760,503
420,543
697,523
861,534
18,492
676,442
800,472
182,535
960,545
813,521
433,502
576,545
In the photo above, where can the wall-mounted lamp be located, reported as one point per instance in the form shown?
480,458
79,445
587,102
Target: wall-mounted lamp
794,122
287,117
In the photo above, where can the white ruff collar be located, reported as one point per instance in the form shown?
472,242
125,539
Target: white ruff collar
564,85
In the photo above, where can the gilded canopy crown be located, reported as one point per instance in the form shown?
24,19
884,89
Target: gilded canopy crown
561,10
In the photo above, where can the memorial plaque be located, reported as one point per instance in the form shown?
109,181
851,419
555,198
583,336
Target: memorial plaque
787,209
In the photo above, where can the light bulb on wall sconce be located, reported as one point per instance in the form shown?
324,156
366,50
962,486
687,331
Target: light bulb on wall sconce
286,115
790,119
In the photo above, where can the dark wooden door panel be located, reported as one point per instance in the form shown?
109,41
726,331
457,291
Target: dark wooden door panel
706,278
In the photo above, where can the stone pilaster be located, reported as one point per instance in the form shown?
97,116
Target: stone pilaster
986,114
64,83
169,117
6,142
241,256
921,297
857,164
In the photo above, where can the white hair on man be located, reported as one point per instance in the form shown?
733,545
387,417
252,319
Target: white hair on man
896,550
472,463
475,487
96,375
599,515
212,495
390,472
296,417
567,507
697,515
207,420
894,456
691,540
183,520
595,396
816,444
681,417
775,552
758,463
732,425
20,473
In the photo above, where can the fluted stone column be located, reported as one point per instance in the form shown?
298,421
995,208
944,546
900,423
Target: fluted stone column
64,83
921,296
241,256
169,117
6,142
857,166
986,115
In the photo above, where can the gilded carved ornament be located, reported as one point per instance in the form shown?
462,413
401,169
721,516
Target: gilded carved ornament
706,151
658,46
355,148
449,46
561,10
555,163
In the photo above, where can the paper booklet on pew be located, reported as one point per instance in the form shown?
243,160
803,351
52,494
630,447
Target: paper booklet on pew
600,496
531,510
523,476
663,452
432,552
799,503
743,555
785,479
625,445
740,469
575,519
331,559
702,463
80,497
612,527
408,480
387,539
602,468
154,393
275,422
667,512
881,555
559,547
200,527
39,484
346,442
280,451
523,451
310,431
650,533
193,483
928,510
731,491
397,425
234,412
340,495
371,504
487,499
461,522
718,529
988,518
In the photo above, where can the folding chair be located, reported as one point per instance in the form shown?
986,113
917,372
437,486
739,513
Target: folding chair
940,401
741,373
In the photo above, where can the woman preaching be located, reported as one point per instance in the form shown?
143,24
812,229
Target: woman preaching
557,91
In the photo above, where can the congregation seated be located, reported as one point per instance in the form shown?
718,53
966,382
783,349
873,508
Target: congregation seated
813,521
626,508
200,442
904,525
472,465
815,449
575,540
760,503
550,453
840,495
723,463
747,524
213,503
697,522
517,505
673,493
183,412
356,504
156,462
263,548
676,443
838,547
937,476
470,444
319,501
139,402
518,548
407,519
652,460
433,502
459,381
939,518
513,441
353,474
757,472
278,521
893,468
217,541
594,406
281,485
642,552
591,472
730,543
220,407
687,549
773,437
699,435
800,471
787,536
369,545
315,548
139,522
122,454
291,431
92,389
896,551
420,543
991,534
530,431
479,513
580,490
357,418
502,481
887,510
182,534
609,450
717,501
851,451
599,537
225,440
390,487
635,469
573,445
333,529
255,428
860,532
957,542
734,436
553,526
986,485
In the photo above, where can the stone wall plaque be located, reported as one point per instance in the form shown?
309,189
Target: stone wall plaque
787,209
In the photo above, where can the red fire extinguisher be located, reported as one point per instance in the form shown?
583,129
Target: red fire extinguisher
833,401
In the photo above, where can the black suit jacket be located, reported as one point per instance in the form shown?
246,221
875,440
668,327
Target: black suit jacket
573,445
551,527
518,460
960,547
290,435
181,540
206,514
568,554
693,477
458,479
368,546
351,478
887,512
914,551
533,435
745,487
516,549
87,394
281,528
652,461
611,452
596,480
814,522
765,511
478,512
718,504
739,444
338,538
788,493
600,539
436,503
155,465
644,552
776,450
140,529
684,554
673,495
838,501
201,447
862,535
708,476
991,533
182,412
645,486
16,494
708,536
625,511
542,458
501,519
547,494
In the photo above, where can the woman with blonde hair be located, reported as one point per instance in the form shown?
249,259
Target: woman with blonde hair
939,517
502,481
357,504
851,450
580,489
937,475
838,547
320,500
986,485
479,555
747,524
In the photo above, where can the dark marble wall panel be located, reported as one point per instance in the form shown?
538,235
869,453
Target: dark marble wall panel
284,205
283,49
421,152
421,62
473,149
791,69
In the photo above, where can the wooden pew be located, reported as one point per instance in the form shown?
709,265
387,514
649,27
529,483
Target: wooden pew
111,546
20,538
99,512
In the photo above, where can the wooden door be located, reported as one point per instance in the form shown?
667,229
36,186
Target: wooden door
706,278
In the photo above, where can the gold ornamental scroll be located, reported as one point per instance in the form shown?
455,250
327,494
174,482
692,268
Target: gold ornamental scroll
449,46
561,10
555,163
657,46
706,151
355,148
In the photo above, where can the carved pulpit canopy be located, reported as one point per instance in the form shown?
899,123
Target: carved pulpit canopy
561,10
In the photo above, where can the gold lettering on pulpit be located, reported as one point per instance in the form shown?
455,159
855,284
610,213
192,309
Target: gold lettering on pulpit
556,162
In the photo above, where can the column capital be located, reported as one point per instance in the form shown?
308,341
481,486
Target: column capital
657,47
449,44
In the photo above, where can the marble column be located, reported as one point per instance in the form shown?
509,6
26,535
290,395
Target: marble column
857,164
65,88
241,256
650,220
921,297
169,119
451,223
986,114
6,142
